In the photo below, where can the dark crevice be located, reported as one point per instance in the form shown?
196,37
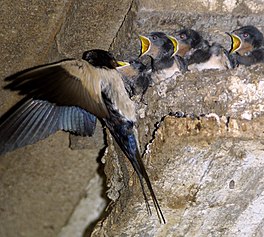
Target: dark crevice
121,25
54,39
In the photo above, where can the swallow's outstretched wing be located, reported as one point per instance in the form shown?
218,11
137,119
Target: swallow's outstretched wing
34,120
60,96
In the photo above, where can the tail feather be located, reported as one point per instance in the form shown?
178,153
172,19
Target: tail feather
125,138
152,193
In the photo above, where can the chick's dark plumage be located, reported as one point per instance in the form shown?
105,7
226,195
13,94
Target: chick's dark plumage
69,95
136,78
247,45
199,54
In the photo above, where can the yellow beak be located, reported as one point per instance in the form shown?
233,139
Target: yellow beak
122,64
145,44
175,44
236,43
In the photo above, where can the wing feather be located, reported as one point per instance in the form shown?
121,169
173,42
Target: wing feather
35,120
66,83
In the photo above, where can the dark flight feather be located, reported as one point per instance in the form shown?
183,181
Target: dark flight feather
122,131
35,120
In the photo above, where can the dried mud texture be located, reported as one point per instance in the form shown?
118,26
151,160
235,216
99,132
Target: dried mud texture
208,177
233,93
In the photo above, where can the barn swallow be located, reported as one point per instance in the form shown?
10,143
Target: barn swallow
199,54
68,95
134,73
247,45
136,77
161,48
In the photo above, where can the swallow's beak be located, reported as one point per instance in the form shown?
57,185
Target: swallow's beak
236,42
145,45
175,44
122,64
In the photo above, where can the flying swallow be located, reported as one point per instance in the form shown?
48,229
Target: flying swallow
161,48
69,95
199,54
247,45
136,77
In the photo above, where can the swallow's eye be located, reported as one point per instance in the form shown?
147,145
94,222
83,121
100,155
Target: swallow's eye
154,37
245,35
183,36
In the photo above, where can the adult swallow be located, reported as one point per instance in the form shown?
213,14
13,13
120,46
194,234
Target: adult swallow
136,77
199,54
134,73
161,48
247,45
69,95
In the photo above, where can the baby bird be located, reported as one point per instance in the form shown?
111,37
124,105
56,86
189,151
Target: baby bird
199,54
247,45
70,95
161,48
136,77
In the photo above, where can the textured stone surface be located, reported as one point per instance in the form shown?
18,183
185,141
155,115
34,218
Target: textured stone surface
225,6
40,188
27,32
93,24
208,176
87,211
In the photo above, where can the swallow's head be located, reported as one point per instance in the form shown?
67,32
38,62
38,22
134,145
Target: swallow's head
186,40
245,39
100,58
156,45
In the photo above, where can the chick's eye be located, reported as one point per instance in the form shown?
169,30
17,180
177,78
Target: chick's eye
245,35
182,36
